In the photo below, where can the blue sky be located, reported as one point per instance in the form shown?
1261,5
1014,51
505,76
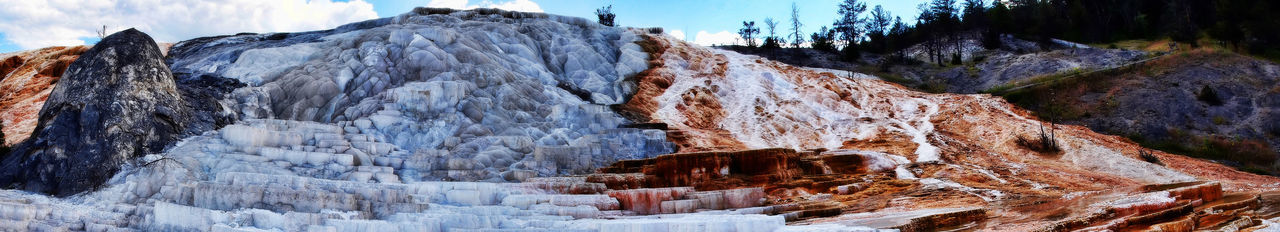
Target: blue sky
30,24
690,17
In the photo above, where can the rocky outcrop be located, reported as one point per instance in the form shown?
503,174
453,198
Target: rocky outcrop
1171,207
1212,104
444,120
117,101
26,78
452,95
1016,61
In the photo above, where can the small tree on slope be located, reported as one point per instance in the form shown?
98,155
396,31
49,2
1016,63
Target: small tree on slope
797,38
605,15
748,32
4,150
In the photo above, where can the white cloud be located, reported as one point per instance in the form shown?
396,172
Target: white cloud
678,34
719,38
455,4
39,23
513,5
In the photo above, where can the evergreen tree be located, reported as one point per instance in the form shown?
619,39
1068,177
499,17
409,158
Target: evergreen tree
1178,22
4,150
877,26
926,31
897,36
975,14
605,16
999,21
849,22
823,40
948,23
748,32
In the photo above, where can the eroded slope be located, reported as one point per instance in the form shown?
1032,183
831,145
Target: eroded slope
940,149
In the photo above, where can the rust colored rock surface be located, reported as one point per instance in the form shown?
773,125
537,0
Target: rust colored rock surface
853,144
648,200
712,100
26,78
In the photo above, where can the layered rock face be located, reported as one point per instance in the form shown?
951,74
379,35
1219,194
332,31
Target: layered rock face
363,128
472,95
26,78
929,151
117,101
429,95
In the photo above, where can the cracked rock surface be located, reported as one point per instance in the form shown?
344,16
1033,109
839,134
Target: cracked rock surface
116,102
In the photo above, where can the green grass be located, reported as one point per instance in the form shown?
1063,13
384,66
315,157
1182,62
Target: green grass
1219,120
1042,79
895,78
1254,156
886,76
1251,155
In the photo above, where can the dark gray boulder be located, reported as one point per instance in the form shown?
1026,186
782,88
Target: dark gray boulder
116,102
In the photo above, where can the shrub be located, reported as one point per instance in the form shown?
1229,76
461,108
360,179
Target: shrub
1219,120
1046,143
1207,95
4,150
823,40
991,39
934,85
955,59
1241,150
885,65
605,16
771,43
850,53
1146,155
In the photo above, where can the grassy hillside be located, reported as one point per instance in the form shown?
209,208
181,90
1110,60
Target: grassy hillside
1205,102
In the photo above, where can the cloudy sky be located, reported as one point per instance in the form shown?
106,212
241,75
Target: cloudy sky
30,24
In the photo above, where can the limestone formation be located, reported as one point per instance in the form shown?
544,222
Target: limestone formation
469,95
116,102
489,120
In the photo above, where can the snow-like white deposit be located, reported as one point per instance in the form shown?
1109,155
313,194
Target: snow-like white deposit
257,66
354,129
469,95
1270,226
768,108
1086,154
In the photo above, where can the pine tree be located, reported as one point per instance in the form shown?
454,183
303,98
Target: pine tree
748,32
822,40
605,16
999,21
850,21
944,15
4,149
877,26
975,14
